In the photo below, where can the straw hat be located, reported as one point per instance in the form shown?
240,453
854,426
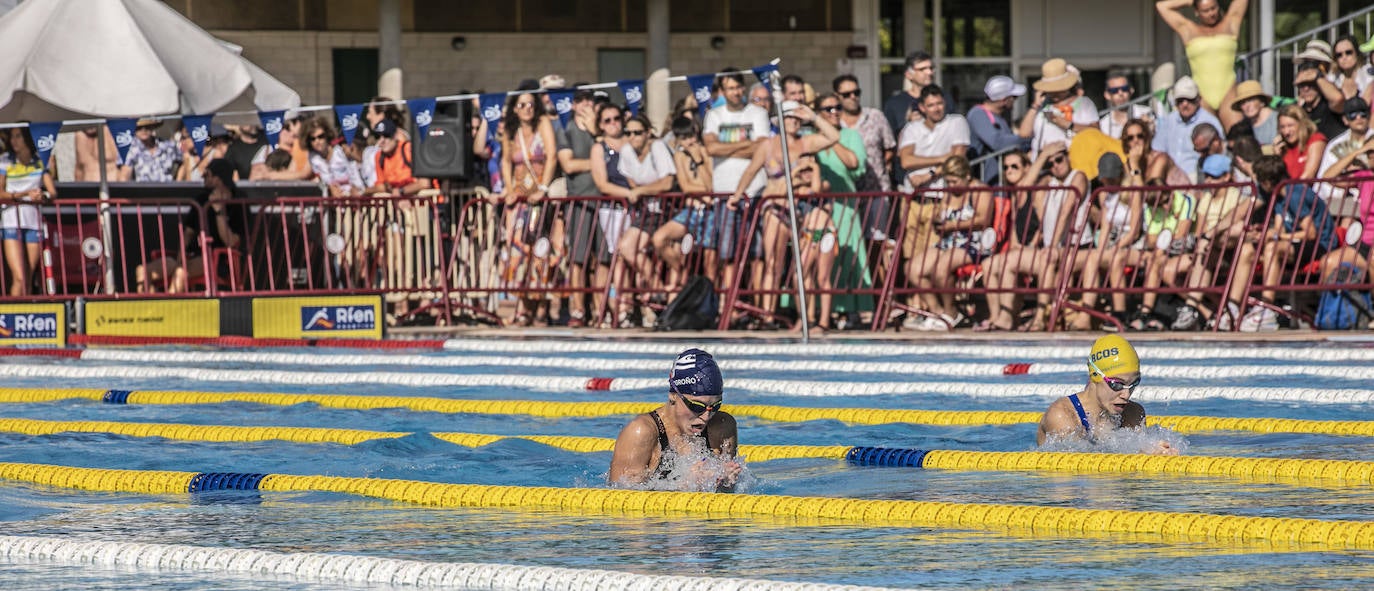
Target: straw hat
1056,76
1248,90
1316,50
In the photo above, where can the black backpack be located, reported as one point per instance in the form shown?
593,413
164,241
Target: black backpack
695,307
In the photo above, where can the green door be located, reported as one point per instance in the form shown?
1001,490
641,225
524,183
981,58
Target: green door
355,75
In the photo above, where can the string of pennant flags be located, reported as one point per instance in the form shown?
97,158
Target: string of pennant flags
490,105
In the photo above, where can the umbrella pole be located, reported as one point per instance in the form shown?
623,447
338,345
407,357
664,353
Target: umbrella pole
105,238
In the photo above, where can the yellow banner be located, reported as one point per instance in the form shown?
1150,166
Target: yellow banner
33,324
323,317
153,318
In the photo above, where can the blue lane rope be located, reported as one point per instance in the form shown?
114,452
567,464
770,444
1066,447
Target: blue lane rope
886,456
116,396
208,481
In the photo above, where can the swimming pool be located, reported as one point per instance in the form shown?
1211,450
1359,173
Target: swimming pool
949,376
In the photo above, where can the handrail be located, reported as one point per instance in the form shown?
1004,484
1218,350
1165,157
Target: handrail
1309,33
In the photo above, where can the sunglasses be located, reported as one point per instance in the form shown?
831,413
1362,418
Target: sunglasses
610,120
1132,137
1118,89
831,109
523,106
851,94
1357,115
1345,53
1011,166
634,132
697,408
1058,159
318,137
1184,100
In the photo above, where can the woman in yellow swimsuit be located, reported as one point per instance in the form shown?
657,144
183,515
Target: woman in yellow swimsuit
1210,43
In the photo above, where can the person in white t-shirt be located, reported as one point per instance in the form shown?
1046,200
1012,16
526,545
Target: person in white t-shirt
926,143
731,132
26,183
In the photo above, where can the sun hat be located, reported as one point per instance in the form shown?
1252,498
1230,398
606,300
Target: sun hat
1056,75
1248,90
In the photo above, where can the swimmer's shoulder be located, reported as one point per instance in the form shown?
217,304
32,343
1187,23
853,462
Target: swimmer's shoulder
640,429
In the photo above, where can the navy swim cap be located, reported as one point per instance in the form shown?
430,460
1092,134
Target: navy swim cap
695,373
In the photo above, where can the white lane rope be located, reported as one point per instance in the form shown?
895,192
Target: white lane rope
796,388
950,369
1010,353
339,568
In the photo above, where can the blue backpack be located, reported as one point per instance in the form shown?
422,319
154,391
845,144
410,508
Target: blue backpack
1342,309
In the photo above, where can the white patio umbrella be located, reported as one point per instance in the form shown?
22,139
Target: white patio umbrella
97,59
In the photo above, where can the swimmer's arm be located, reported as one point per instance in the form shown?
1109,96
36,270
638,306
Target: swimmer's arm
1059,421
634,448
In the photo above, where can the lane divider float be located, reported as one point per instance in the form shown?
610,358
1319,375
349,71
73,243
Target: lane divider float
560,409
798,388
1287,470
354,569
951,369
1037,520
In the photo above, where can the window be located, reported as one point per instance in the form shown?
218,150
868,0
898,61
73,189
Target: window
974,28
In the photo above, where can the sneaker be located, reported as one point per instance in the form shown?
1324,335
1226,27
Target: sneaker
1187,319
1226,321
1260,319
944,323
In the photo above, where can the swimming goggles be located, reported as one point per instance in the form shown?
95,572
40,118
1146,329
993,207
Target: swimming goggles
697,408
1116,384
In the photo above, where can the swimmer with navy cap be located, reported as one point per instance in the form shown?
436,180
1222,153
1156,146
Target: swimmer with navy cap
690,424
1105,403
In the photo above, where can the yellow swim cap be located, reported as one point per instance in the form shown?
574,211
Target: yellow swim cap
1112,355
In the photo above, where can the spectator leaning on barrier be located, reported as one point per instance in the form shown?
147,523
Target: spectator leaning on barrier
879,141
988,127
395,173
26,183
905,106
732,133
1119,93
1302,231
1174,132
150,160
1349,72
585,240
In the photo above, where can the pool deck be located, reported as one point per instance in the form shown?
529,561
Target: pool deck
890,336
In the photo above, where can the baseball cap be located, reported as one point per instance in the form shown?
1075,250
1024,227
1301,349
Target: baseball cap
695,373
1185,88
1216,165
789,106
385,128
1000,87
1356,104
1109,166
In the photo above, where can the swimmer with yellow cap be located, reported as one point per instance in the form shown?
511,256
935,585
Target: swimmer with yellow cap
1105,403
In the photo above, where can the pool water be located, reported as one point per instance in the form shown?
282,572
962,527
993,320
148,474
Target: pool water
757,548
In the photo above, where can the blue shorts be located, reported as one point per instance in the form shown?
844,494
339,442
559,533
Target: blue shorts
30,236
700,223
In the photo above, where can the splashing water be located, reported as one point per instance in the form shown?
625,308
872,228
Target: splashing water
1147,440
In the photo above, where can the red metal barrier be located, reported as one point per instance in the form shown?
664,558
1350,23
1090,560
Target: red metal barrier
846,255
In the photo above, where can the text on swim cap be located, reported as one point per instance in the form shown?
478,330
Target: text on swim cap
683,381
1105,353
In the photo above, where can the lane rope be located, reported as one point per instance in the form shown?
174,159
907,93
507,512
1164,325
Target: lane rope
1033,519
354,569
798,388
560,409
1356,372
1286,470
1192,351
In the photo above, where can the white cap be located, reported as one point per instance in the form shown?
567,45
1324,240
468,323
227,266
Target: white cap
1185,88
789,106
1000,87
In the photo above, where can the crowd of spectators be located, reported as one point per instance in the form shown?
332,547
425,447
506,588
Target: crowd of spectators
1134,204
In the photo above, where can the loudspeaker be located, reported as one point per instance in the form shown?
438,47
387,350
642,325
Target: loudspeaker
445,150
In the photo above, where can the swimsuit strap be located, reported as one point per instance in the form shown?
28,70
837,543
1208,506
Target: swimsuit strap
1077,407
662,433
